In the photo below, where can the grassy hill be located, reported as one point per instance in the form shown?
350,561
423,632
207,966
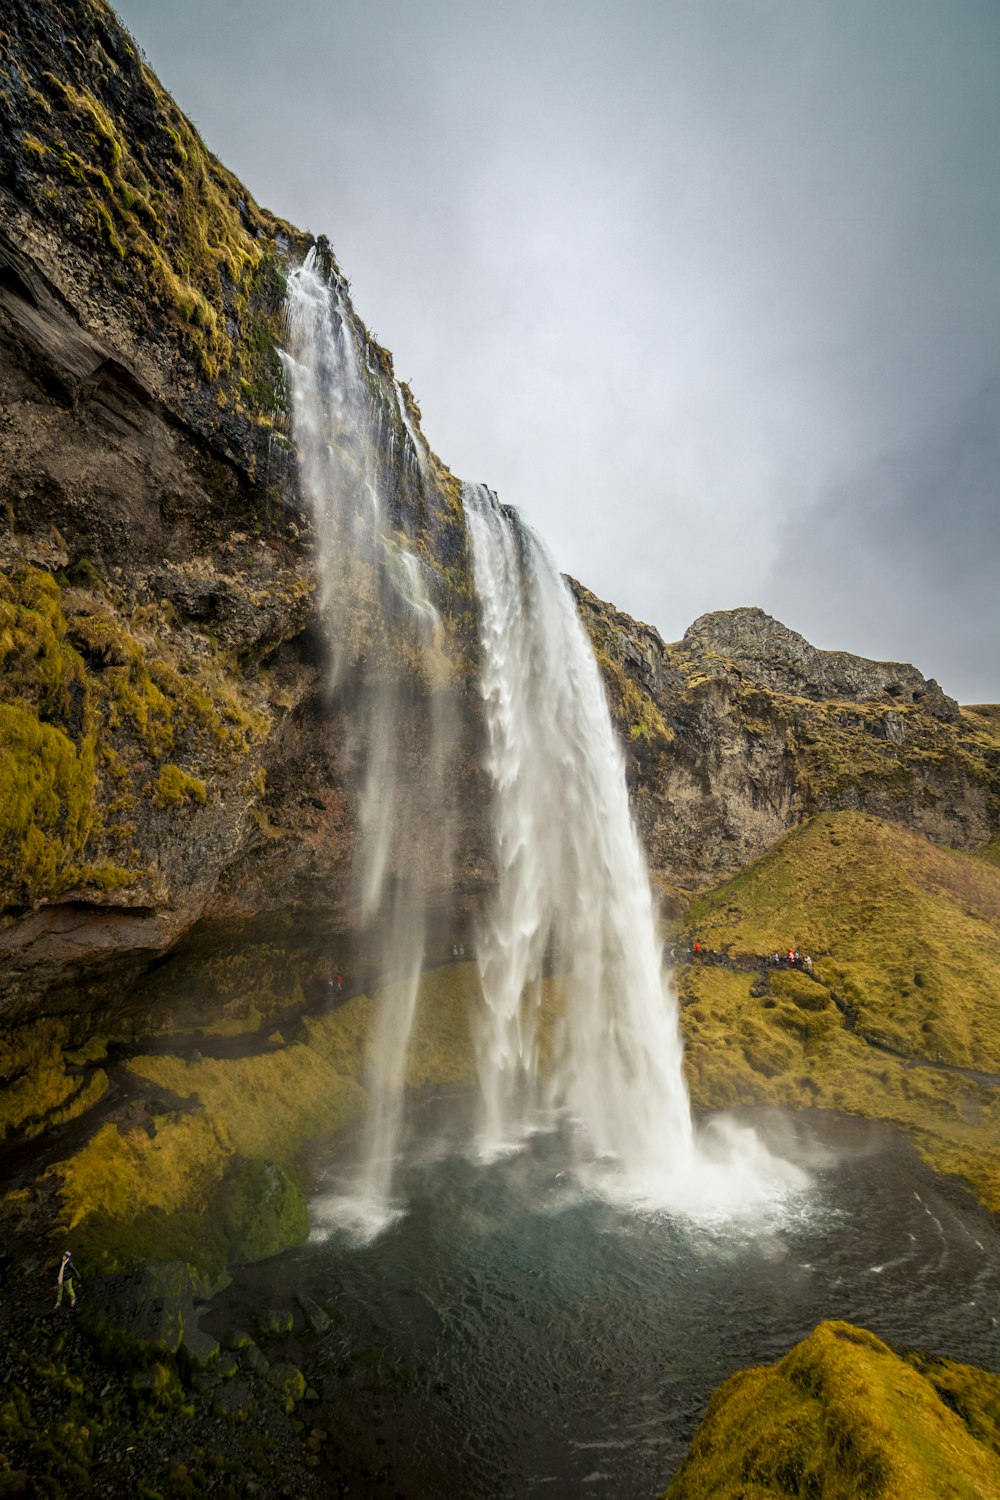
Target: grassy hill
903,1005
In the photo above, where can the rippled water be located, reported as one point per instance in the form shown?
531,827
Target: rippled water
507,1336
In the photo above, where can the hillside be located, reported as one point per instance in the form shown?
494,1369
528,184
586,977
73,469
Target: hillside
900,1017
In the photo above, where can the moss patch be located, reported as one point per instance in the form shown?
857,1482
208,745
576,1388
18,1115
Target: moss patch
267,1106
842,1416
41,1084
93,703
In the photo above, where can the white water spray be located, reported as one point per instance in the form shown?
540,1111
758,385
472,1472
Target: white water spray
573,900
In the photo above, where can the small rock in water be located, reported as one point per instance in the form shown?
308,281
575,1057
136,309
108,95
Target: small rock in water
272,1324
316,1316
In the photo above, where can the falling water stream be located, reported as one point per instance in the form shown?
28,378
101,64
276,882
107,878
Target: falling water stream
578,1018
347,422
573,897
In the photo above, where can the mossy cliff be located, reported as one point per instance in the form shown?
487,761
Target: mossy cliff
167,749
843,1416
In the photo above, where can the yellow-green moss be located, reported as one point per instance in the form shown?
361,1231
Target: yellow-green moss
95,709
46,805
841,1417
37,1087
905,934
127,1194
268,1106
174,786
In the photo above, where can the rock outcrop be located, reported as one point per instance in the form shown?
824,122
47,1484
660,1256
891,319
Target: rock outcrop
741,729
842,1414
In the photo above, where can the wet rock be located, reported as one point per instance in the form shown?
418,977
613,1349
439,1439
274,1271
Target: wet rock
316,1316
199,1347
275,1323
147,1309
290,1383
232,1400
254,1360
237,1338
265,1211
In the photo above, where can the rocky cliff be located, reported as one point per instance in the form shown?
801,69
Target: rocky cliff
166,752
742,729
165,746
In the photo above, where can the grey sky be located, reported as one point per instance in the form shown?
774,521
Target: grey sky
710,289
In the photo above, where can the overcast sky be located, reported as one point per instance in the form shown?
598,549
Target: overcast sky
709,289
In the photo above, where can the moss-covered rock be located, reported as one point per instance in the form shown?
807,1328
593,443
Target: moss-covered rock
843,1416
264,1211
44,1080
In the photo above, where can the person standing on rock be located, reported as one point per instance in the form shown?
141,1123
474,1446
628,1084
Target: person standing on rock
64,1281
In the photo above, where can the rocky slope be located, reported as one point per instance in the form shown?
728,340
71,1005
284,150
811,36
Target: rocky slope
742,729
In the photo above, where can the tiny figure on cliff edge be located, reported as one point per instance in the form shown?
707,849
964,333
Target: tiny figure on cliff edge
64,1281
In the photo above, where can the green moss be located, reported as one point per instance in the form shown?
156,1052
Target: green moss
174,786
263,1210
179,231
46,806
94,709
843,1416
904,935
39,1084
126,1195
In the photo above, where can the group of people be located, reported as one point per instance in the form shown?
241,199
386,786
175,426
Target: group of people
793,958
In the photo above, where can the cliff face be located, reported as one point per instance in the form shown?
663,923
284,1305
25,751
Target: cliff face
166,747
168,752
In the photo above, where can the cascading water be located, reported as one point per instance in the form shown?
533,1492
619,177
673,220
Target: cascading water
573,900
578,1018
347,418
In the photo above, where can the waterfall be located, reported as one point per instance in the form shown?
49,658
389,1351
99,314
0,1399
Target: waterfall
383,638
578,1019
573,901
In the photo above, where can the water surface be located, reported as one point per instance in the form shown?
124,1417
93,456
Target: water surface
507,1336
